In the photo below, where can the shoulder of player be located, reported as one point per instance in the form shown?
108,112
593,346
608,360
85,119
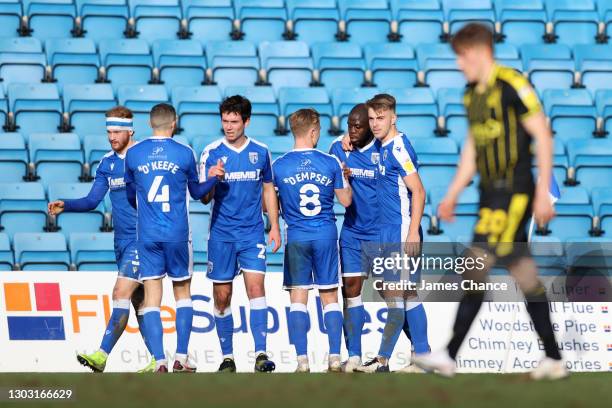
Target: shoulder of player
281,158
105,160
511,77
212,146
402,147
256,144
329,157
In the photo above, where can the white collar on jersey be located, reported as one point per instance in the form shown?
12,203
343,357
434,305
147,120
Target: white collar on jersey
399,134
237,149
366,147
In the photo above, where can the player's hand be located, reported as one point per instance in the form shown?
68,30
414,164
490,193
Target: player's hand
446,209
412,246
347,146
274,236
346,172
543,210
217,170
55,207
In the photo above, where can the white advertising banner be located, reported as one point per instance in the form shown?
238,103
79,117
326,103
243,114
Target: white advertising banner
48,317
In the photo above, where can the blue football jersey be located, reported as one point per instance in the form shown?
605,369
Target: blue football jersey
397,160
361,216
110,172
306,180
160,167
236,213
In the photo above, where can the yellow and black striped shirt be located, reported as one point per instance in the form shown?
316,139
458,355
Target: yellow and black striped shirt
503,155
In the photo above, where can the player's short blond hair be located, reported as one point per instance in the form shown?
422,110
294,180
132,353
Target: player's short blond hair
162,115
381,102
301,121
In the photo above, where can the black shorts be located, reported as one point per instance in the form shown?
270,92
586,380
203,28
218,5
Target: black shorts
502,220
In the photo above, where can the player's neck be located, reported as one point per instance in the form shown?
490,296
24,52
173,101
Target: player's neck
161,134
302,143
238,143
392,133
487,71
366,141
125,149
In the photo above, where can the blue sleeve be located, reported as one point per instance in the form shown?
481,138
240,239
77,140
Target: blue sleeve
339,181
130,191
336,150
192,169
199,190
405,159
267,170
95,196
128,178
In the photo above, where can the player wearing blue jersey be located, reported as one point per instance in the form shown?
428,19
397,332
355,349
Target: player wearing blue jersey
307,180
109,176
158,173
236,242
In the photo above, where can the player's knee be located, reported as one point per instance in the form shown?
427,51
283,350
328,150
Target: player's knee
255,291
121,292
222,300
352,287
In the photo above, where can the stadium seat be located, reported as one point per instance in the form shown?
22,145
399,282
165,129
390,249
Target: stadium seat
200,258
419,21
435,151
95,146
571,112
261,20
508,55
313,21
292,99
286,63
549,66
438,67
6,254
589,254
199,143
602,205
21,60
560,162
13,158
436,176
467,204
35,107
279,145
603,102
594,62
575,21
57,157
85,106
93,251
198,109
460,12
338,65
126,61
232,63
416,111
548,253
367,21
23,208
41,251
67,222
264,108
605,12
391,65
141,99
105,20
522,21
10,18
209,19
156,19
72,60
344,99
452,113
180,62
50,18
574,213
591,162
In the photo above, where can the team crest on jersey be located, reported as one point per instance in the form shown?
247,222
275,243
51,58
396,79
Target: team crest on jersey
209,267
385,155
253,157
375,158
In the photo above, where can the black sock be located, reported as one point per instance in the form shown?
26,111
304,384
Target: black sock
468,309
406,330
537,307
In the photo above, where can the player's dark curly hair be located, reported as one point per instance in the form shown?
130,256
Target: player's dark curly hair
236,104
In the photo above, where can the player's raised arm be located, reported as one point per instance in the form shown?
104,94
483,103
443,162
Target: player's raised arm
83,204
199,190
210,169
342,188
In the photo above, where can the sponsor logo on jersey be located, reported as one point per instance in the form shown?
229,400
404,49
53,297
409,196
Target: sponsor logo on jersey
157,150
363,173
112,166
243,175
224,159
253,157
114,183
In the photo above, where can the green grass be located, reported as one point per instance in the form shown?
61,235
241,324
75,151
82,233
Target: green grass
315,390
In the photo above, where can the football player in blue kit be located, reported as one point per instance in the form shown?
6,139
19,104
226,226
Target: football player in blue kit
236,242
307,180
158,173
109,176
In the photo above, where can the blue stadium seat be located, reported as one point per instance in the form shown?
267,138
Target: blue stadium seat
435,151
560,162
6,254
261,20
603,102
13,158
209,19
344,99
23,208
233,63
436,176
313,20
279,145
41,251
467,204
198,109
36,107
460,12
548,253
198,221
200,142
156,19
103,20
287,63
57,157
93,251
391,65
10,18
548,65
86,105
274,260
73,60
127,61
463,224
591,161
571,112
180,62
264,117
141,99
292,99
575,21
605,13
594,253
50,18
452,110
574,213
95,146
70,222
602,204
416,111
367,21
419,21
21,60
438,66
508,55
338,65
594,62
522,21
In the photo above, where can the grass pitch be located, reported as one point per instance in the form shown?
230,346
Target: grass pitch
312,390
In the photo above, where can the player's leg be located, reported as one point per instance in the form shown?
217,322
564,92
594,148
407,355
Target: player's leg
138,303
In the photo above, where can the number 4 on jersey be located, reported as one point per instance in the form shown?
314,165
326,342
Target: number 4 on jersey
163,197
